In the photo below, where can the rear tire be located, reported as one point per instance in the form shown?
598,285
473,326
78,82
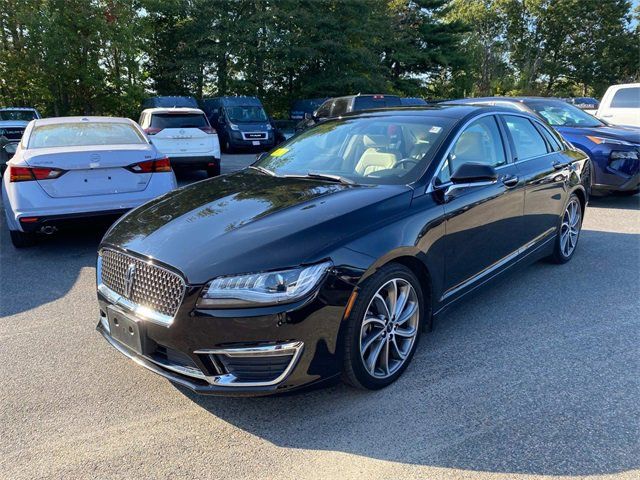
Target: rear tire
568,231
213,171
379,346
22,239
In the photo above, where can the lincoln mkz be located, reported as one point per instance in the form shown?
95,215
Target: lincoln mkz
332,253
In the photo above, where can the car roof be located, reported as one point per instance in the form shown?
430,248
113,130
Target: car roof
172,110
30,109
466,101
454,111
86,119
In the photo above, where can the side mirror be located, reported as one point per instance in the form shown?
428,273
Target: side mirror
474,173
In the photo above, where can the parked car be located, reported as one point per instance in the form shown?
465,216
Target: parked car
185,136
303,107
335,107
614,150
588,104
13,121
72,168
170,102
333,252
241,123
621,105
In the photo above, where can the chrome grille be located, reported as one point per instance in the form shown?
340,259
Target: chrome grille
151,286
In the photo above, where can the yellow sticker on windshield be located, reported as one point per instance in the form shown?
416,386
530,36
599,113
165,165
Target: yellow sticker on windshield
279,152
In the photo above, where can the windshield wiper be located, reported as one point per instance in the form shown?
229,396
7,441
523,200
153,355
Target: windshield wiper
263,170
325,176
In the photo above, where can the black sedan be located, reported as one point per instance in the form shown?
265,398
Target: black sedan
332,253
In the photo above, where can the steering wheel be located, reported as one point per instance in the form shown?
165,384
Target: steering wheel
405,161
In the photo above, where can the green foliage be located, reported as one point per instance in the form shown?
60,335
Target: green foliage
104,56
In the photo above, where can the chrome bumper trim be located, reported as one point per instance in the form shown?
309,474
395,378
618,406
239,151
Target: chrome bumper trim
230,380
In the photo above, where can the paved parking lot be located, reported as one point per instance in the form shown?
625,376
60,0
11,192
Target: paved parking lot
537,376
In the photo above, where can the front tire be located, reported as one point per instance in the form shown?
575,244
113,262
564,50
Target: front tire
22,239
569,231
383,328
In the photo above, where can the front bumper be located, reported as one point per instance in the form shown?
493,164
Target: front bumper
248,352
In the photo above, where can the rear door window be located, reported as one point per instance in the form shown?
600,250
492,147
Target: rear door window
554,143
178,120
626,98
526,138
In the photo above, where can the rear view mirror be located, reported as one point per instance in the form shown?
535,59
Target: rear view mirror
474,173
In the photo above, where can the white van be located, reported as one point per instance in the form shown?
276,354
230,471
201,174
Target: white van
621,105
185,136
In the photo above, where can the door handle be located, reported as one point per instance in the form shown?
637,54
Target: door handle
559,165
510,181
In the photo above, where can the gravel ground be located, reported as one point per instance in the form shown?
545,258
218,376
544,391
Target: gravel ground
537,376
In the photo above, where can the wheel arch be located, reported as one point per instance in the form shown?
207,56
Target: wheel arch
414,260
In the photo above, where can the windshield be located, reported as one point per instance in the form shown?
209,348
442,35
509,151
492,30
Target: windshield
246,114
371,150
84,134
20,115
561,114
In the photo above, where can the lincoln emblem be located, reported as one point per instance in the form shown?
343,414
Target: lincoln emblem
128,279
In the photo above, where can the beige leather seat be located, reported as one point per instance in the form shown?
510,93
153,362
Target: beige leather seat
372,160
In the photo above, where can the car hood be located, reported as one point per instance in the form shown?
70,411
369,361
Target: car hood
248,222
629,134
253,126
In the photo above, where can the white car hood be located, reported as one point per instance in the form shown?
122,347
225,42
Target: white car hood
13,123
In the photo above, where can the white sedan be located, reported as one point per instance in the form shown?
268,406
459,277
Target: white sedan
78,167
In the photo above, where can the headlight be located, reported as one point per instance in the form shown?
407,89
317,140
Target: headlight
261,289
611,141
624,155
269,127
233,126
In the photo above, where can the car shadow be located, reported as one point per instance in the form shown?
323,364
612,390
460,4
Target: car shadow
34,276
537,374
613,201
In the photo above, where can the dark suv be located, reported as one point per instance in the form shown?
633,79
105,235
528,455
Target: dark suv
336,107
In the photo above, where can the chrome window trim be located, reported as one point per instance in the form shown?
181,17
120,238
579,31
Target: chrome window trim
230,380
139,311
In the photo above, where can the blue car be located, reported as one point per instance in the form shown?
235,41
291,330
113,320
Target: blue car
614,150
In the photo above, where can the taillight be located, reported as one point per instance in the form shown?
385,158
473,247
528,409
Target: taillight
208,130
163,165
152,130
151,166
25,174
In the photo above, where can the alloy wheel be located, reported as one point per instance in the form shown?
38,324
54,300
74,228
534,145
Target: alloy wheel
570,229
389,328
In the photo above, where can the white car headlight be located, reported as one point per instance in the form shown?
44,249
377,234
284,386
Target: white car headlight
262,289
233,126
